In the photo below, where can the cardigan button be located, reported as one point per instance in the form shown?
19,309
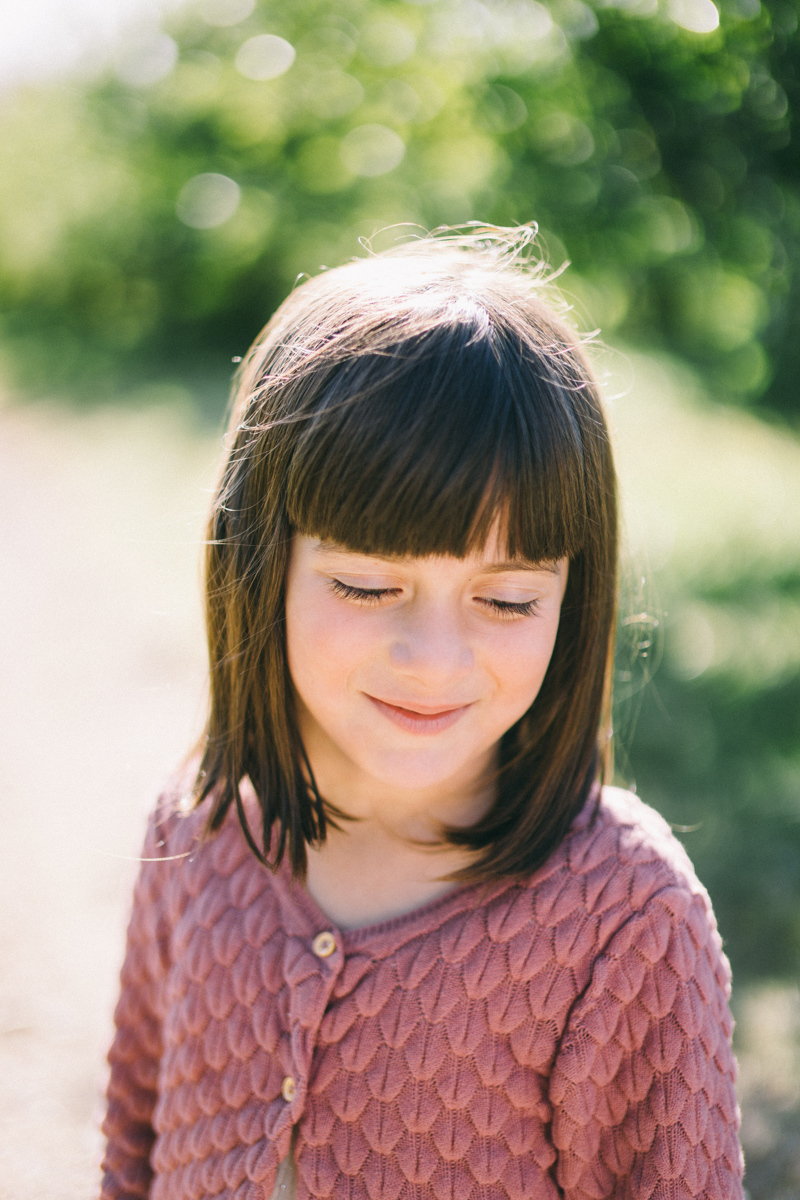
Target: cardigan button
288,1089
323,945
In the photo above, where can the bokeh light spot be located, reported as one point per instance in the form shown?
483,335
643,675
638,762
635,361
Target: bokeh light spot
666,226
332,94
226,12
265,56
400,99
698,16
331,41
720,310
208,200
387,43
372,150
502,110
565,139
576,19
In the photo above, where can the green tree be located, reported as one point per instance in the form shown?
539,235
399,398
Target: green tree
154,218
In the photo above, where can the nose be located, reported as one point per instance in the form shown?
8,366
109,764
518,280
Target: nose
431,648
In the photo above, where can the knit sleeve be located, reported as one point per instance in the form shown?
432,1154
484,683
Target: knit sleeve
136,1049
642,1087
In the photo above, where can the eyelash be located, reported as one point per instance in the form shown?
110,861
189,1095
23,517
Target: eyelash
365,595
510,608
503,608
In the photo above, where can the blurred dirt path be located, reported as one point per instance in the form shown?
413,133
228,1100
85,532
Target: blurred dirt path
101,692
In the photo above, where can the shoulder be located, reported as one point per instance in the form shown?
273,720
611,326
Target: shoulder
620,837
182,858
644,1074
621,867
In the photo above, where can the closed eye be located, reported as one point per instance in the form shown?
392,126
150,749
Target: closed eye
510,608
362,595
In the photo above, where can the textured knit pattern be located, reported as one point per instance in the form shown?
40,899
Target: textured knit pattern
568,1036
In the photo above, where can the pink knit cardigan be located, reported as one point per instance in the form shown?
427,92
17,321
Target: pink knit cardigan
565,1036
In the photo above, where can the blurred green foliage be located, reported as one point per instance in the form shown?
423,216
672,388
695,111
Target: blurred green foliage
719,760
151,220
708,698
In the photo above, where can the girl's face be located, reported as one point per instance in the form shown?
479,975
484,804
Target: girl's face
409,670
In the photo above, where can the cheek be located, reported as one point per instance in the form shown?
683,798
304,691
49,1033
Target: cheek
324,647
521,659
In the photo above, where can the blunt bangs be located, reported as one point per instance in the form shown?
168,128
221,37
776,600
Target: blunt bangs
417,451
401,405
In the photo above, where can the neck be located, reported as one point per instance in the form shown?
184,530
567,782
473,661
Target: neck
388,855
364,873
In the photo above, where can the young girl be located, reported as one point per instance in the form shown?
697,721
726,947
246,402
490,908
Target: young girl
391,940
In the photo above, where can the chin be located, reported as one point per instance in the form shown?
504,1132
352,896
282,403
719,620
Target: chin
412,770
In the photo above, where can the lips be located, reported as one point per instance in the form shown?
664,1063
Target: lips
420,720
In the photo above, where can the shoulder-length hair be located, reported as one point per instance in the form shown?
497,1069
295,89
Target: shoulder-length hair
400,405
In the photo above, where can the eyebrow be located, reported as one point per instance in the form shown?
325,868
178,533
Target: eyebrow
514,564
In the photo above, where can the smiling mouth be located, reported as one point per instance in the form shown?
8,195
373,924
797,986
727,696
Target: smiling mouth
419,720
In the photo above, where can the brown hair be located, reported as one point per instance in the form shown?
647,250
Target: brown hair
398,405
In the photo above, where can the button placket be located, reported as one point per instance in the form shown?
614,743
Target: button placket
311,982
